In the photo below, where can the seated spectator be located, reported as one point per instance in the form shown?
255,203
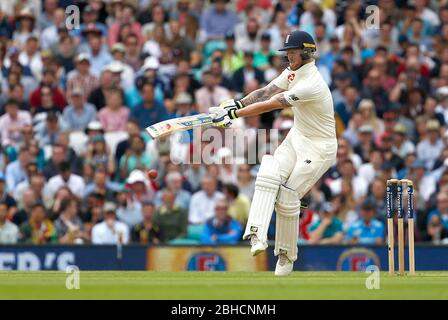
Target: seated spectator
110,231
367,230
81,77
47,105
108,81
12,122
203,202
133,130
174,183
136,158
247,73
114,115
38,229
438,220
239,204
150,111
79,113
69,226
48,131
210,94
22,214
328,229
49,80
95,48
430,148
101,184
370,170
9,232
245,181
98,155
365,142
402,146
146,231
16,171
425,183
66,178
348,172
222,228
194,174
171,219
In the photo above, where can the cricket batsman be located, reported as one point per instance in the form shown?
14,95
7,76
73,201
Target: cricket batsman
307,152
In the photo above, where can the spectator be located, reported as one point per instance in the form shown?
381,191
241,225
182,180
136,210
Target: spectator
81,77
245,181
12,122
402,146
328,229
133,130
348,172
430,148
108,81
247,73
96,49
203,202
127,76
110,231
437,221
238,204
210,94
98,155
66,178
136,157
150,111
9,232
218,20
69,226
16,171
172,220
146,232
174,184
48,80
78,114
38,229
222,228
101,184
22,214
114,115
367,230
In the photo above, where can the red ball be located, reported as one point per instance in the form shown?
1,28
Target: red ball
152,174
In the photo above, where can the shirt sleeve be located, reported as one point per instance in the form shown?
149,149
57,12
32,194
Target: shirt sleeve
282,80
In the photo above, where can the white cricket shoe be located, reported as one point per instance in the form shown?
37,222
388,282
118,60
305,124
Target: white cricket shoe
284,265
257,245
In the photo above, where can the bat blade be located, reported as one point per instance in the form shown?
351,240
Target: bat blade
164,128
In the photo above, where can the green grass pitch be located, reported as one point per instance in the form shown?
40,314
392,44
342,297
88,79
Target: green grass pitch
220,285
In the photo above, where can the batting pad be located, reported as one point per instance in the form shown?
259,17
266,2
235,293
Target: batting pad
287,223
266,189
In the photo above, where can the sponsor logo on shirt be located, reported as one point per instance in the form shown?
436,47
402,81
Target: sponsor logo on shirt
291,76
293,97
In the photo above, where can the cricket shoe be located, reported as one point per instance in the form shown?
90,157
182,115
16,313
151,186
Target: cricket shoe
257,246
284,265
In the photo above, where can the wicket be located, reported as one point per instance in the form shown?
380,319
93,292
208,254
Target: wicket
395,188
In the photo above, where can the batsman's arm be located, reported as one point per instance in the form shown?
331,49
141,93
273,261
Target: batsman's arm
278,101
261,94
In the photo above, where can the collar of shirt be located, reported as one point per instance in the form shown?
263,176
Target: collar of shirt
306,68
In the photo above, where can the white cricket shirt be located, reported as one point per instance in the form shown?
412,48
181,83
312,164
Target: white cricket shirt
311,101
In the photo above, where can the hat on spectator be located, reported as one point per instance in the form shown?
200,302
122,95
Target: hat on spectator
46,54
109,207
432,125
368,204
136,176
366,104
183,98
418,163
94,126
52,117
77,91
266,36
174,175
326,207
151,63
230,35
118,47
91,28
115,67
400,128
25,13
82,57
366,128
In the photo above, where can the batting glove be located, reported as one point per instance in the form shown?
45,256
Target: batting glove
232,104
222,117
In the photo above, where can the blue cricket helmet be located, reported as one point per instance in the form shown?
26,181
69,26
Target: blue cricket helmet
298,39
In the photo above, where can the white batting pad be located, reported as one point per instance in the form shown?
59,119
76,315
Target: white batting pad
266,189
287,223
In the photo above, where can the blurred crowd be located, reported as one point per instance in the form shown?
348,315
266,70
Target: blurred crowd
75,102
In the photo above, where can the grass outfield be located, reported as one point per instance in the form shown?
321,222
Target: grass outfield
220,285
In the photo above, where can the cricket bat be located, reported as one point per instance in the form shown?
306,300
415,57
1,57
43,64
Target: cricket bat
164,128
